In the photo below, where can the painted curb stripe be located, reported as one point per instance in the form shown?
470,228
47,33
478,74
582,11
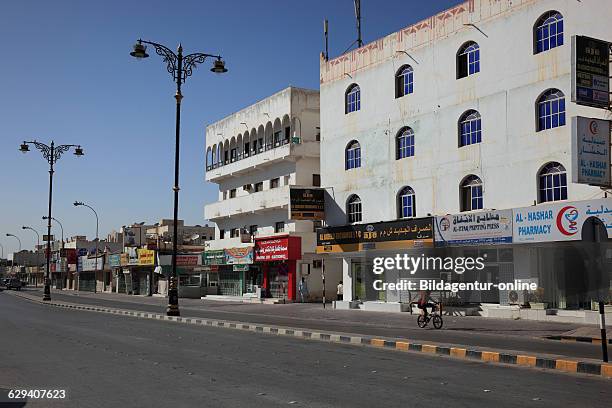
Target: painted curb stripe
570,366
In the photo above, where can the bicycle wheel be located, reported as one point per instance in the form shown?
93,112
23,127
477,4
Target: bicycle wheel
437,321
421,321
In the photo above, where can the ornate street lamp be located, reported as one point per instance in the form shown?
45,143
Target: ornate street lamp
52,154
180,67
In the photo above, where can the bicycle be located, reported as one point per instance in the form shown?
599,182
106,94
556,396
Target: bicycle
435,315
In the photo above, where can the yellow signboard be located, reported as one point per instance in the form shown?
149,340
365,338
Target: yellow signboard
146,257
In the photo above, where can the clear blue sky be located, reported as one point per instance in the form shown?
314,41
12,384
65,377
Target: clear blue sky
66,75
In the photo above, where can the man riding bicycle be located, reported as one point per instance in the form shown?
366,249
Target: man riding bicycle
425,301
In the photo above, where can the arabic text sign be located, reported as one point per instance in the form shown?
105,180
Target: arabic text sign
307,204
239,256
591,151
559,222
590,72
146,257
380,235
486,227
277,249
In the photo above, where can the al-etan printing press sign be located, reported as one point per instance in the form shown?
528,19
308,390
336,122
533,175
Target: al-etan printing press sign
559,222
486,227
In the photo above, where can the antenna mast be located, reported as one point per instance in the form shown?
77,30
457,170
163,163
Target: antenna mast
358,17
326,31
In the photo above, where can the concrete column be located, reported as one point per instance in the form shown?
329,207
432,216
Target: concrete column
347,279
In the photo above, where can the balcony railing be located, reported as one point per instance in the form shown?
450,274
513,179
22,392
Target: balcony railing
234,156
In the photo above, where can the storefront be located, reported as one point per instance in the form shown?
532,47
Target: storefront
277,257
137,265
232,270
566,249
87,268
114,265
192,278
359,245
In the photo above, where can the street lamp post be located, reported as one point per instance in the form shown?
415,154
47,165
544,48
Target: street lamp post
52,154
58,223
37,251
77,204
180,67
18,240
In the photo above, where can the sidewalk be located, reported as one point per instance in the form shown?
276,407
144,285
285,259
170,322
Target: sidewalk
509,335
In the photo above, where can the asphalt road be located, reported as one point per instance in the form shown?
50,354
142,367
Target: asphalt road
104,360
498,334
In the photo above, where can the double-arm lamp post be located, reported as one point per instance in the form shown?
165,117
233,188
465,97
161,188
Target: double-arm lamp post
81,204
180,67
52,154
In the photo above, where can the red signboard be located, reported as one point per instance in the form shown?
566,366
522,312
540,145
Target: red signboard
278,249
187,260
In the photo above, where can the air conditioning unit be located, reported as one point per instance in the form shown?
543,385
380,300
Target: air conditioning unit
247,187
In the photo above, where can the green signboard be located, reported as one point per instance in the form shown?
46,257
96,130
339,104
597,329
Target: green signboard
215,257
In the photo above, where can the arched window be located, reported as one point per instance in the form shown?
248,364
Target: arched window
468,59
552,181
352,99
404,143
353,209
406,203
353,155
404,81
471,193
551,109
548,32
470,129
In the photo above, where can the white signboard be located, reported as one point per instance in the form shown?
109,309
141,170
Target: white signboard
483,227
560,221
591,151
89,264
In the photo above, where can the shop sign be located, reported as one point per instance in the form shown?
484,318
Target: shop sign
390,235
181,260
240,268
124,259
132,255
70,254
114,260
146,257
278,248
559,222
590,72
87,264
214,257
591,151
239,256
307,203
478,228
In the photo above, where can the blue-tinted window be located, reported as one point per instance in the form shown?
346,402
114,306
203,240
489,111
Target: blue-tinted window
551,109
471,194
404,143
404,81
553,183
406,203
353,99
470,128
353,209
468,60
549,31
353,156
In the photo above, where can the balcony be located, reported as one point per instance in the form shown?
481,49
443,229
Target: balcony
243,162
251,203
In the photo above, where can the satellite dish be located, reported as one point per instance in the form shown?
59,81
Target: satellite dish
194,237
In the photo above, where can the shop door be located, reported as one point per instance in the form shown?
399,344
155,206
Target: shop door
278,276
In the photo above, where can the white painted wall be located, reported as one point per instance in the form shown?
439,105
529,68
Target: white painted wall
504,92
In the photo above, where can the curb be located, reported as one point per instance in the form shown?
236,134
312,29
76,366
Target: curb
593,340
504,358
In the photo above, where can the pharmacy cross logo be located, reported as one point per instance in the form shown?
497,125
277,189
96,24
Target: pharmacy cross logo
593,127
566,220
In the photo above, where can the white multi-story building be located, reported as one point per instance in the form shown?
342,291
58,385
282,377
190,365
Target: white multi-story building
469,109
257,156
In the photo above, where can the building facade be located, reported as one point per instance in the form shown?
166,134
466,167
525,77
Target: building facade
468,110
259,157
